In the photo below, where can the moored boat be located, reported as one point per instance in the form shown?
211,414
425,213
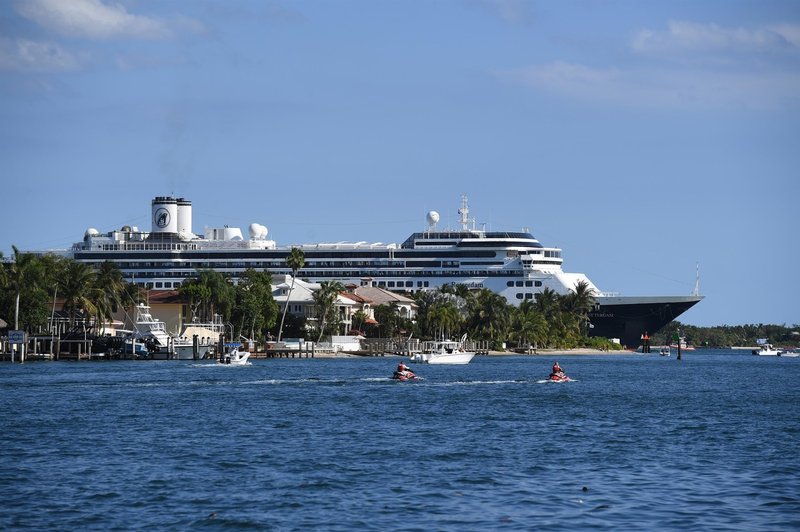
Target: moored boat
152,332
444,352
767,350
234,355
682,344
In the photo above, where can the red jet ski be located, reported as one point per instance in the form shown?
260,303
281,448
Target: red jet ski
406,375
558,377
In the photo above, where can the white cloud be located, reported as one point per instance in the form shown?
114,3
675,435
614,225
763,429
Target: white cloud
664,88
91,19
687,66
682,36
790,32
35,56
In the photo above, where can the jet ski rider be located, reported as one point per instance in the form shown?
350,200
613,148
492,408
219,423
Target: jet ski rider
557,369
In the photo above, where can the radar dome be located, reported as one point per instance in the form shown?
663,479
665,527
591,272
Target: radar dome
258,231
433,218
91,232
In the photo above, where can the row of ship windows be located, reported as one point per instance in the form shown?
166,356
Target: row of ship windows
382,284
159,284
402,284
526,296
387,284
349,273
308,265
526,283
280,256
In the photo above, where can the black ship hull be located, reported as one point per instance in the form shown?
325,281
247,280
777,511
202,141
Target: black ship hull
628,318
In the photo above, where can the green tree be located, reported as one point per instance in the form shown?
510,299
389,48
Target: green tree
434,319
489,316
255,310
109,290
325,303
209,293
547,303
78,290
529,324
295,262
22,275
444,318
359,319
388,318
579,302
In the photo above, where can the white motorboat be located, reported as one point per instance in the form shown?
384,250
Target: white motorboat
682,344
152,332
235,355
207,334
664,351
767,350
444,352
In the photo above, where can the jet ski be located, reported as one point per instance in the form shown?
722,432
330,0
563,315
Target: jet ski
403,376
558,377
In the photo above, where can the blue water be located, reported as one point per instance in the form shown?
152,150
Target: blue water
636,442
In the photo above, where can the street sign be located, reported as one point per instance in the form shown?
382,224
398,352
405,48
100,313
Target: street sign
16,337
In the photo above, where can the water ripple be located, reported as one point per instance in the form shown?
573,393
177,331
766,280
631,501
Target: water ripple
335,444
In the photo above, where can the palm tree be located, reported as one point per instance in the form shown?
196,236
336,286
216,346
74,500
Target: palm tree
579,303
255,306
548,306
529,324
209,293
110,289
77,287
23,274
490,315
444,315
295,261
325,301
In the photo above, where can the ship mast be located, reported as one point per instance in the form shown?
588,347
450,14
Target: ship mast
463,214
696,291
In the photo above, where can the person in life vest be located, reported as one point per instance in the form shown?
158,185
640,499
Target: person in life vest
403,371
557,369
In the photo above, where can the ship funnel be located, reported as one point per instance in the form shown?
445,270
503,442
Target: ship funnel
184,216
165,215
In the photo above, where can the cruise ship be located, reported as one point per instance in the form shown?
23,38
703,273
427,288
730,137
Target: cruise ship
513,264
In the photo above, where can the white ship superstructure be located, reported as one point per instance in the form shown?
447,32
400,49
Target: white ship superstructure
513,264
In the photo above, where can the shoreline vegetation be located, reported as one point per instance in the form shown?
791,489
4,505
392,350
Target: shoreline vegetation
46,295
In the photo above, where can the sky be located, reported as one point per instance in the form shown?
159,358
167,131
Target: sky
648,140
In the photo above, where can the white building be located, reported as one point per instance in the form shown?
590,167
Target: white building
363,298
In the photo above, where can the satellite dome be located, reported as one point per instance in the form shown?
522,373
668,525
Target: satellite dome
433,218
258,231
91,232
